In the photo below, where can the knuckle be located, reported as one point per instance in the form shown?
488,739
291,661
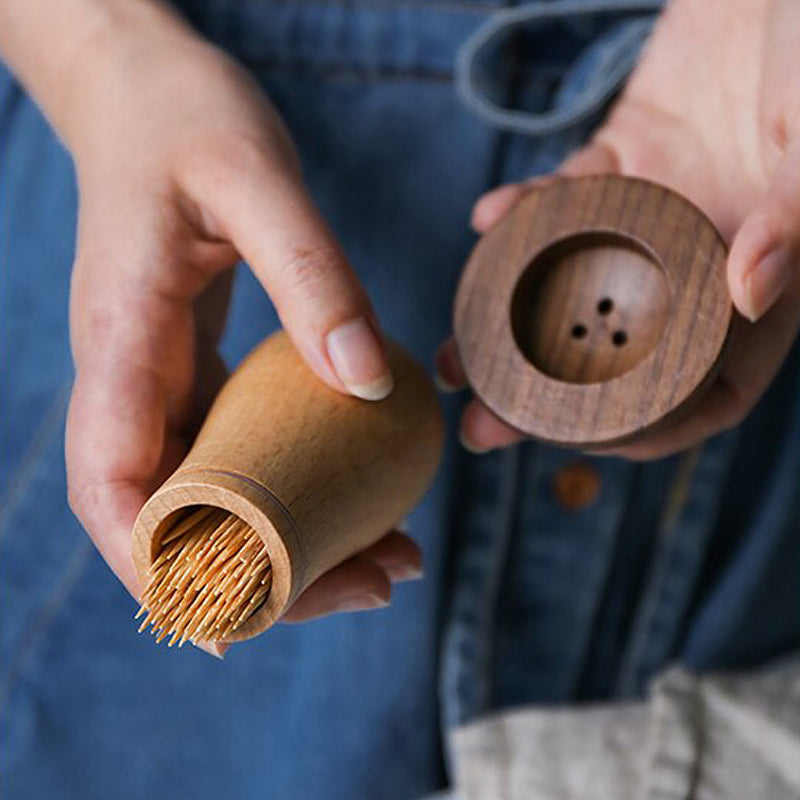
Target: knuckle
310,272
90,499
238,155
218,160
79,499
83,489
768,225
228,158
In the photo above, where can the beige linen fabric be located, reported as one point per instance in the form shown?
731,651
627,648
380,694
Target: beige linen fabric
715,737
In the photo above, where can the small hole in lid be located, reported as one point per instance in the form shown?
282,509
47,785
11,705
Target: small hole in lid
605,306
619,338
538,307
578,331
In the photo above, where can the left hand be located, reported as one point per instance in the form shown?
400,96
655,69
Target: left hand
713,112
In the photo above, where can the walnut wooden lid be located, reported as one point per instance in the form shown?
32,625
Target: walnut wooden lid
594,310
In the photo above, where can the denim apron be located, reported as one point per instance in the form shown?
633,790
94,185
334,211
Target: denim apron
531,595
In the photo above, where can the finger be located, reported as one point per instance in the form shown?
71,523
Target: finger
495,204
482,431
593,159
125,413
596,158
397,554
753,357
102,497
717,410
450,375
267,214
133,347
762,269
765,257
357,584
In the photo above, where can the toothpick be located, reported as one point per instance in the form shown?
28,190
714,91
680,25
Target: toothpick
211,575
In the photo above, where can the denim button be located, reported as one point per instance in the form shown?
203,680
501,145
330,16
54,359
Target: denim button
576,485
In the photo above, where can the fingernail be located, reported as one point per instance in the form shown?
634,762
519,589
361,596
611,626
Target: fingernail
405,572
470,446
765,282
359,361
404,526
362,602
443,385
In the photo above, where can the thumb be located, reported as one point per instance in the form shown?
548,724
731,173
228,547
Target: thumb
592,159
765,256
268,216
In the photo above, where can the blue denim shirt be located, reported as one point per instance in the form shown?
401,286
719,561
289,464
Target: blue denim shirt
527,599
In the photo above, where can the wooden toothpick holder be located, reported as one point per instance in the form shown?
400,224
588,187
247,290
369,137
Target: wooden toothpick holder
319,475
594,311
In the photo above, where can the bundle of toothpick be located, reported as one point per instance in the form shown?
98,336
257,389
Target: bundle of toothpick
211,575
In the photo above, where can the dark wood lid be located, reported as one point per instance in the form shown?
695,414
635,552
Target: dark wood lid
594,310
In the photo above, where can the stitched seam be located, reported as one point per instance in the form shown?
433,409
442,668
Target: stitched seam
72,571
31,459
339,69
486,627
523,73
677,498
472,7
597,576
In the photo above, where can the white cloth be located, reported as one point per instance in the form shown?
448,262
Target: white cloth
715,737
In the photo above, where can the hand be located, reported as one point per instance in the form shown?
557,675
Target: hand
183,168
712,111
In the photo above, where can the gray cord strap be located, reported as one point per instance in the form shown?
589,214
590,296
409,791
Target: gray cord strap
616,63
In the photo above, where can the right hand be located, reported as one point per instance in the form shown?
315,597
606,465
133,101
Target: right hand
713,112
184,168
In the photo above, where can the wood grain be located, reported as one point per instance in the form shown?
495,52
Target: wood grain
595,310
318,474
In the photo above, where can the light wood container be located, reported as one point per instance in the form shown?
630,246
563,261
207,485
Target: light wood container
318,474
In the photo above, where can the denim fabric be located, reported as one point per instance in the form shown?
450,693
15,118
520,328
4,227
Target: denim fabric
693,558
